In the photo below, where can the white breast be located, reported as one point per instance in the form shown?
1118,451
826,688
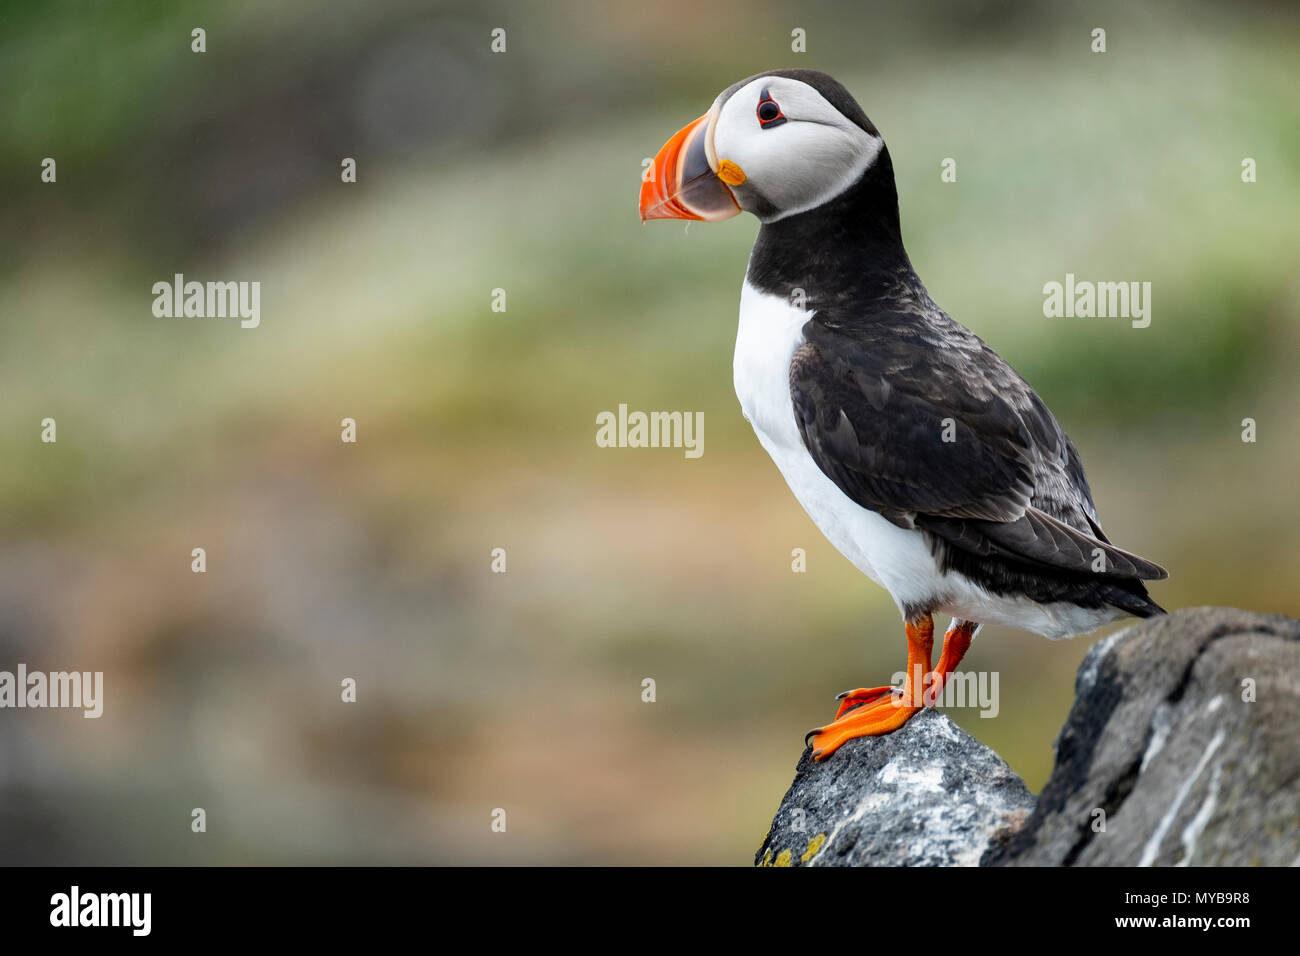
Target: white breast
896,558
770,331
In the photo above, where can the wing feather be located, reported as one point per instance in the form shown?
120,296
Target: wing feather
954,444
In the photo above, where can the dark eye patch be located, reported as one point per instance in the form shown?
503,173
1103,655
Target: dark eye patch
768,111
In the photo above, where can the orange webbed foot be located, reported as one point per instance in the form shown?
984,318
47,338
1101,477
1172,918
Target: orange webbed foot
875,711
857,698
883,716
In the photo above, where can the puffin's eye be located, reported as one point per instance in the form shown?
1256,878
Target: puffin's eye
769,114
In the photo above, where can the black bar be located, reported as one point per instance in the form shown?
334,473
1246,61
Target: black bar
329,904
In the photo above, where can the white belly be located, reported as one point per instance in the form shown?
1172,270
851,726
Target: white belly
898,559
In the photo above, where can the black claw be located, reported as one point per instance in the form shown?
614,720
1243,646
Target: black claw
812,733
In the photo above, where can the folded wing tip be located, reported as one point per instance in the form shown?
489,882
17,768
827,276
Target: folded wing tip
1157,573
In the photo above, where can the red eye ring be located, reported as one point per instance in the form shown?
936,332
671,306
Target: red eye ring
768,111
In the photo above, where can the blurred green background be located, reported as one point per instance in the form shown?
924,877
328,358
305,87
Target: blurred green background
476,428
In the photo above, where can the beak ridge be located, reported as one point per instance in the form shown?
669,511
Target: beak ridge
681,184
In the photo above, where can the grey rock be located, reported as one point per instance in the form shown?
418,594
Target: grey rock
928,794
1182,748
1161,740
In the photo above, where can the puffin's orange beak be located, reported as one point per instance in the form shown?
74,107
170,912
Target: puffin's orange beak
681,183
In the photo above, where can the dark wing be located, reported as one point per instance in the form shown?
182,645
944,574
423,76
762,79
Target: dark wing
951,441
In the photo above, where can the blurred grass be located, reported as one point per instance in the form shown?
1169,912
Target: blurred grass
476,428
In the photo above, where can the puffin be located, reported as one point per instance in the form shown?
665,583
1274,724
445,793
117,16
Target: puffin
922,456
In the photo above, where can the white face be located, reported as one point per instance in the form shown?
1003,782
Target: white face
793,165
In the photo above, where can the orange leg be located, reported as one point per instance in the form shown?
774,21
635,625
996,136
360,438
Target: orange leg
955,645
886,714
874,711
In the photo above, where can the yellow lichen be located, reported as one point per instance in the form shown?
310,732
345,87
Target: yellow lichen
784,858
814,845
